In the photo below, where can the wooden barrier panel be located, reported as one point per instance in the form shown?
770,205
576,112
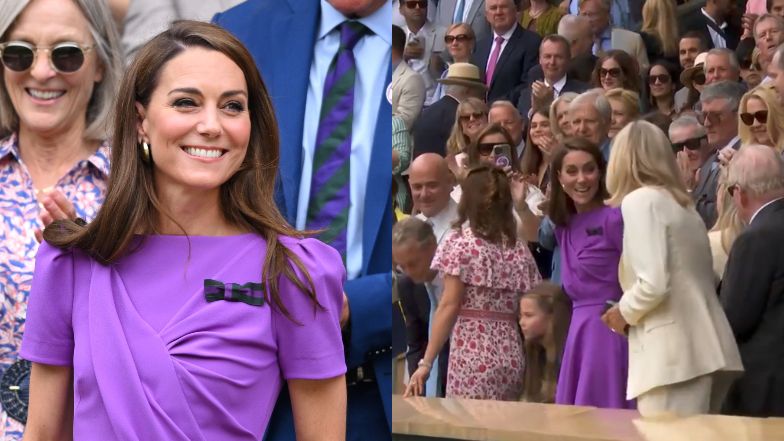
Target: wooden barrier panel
437,418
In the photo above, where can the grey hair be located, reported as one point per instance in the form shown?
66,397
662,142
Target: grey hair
768,16
758,169
686,121
107,47
596,98
507,105
731,57
570,24
729,90
412,228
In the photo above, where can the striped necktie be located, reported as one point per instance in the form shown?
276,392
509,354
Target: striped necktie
329,188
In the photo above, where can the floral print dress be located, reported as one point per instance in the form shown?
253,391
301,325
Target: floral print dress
486,350
20,215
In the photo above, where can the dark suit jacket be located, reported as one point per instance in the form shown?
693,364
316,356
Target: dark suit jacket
262,26
752,294
580,69
431,130
415,305
696,21
519,56
524,102
704,192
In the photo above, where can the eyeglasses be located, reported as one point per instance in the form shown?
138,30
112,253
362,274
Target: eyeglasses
20,56
748,118
713,117
411,4
662,78
614,72
459,38
690,144
475,115
699,78
486,148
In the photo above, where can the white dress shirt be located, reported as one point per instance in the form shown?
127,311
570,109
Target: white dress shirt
718,40
507,35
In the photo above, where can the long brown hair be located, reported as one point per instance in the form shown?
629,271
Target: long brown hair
543,359
486,204
532,155
561,206
246,199
629,67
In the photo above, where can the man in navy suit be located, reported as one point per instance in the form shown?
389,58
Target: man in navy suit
293,43
508,54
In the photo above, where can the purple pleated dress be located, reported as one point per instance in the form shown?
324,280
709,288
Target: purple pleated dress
172,342
595,362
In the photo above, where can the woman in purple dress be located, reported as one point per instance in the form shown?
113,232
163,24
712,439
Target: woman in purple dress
590,234
180,310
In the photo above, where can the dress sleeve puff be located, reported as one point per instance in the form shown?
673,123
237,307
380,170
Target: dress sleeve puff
48,336
451,255
313,348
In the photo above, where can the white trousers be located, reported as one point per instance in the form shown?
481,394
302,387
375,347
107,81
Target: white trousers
701,395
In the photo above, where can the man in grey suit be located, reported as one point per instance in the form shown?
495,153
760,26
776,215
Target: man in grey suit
608,37
464,11
752,290
696,159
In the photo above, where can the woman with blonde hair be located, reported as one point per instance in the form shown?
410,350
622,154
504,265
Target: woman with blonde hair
682,353
659,29
625,106
459,41
761,118
560,124
727,228
470,120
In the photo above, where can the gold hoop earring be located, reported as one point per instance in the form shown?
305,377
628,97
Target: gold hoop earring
146,155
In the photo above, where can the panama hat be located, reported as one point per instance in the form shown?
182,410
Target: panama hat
687,76
463,74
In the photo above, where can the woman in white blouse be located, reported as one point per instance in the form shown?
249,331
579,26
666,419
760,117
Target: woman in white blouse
682,354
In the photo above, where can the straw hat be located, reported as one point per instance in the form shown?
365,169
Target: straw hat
687,76
463,74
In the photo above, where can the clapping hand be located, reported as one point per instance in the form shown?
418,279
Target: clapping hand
54,206
541,94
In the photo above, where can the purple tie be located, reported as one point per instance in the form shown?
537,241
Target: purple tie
499,41
329,188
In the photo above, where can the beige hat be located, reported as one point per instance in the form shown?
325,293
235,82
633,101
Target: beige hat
463,74
687,76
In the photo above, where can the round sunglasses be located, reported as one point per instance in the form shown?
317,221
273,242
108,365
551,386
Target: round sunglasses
66,57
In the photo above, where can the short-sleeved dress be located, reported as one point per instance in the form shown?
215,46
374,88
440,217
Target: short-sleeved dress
174,341
595,362
485,352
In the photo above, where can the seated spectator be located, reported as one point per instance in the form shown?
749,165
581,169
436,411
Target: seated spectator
690,46
470,120
761,118
478,305
682,356
625,106
424,44
721,65
544,316
506,115
728,227
616,69
560,122
553,61
591,117
577,31
451,11
459,40
535,164
433,128
608,38
693,79
714,23
661,86
747,57
660,30
752,288
768,35
407,89
589,235
541,17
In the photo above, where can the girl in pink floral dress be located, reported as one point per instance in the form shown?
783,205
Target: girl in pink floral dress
485,269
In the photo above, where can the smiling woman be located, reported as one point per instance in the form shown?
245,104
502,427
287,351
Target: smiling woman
189,299
59,65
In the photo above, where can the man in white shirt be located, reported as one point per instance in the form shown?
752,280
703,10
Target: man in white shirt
713,23
424,40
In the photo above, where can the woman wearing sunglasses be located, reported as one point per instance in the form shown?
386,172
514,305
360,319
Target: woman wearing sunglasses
459,41
60,61
179,312
661,87
761,118
615,69
470,119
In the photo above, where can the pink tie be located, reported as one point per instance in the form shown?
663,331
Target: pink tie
493,59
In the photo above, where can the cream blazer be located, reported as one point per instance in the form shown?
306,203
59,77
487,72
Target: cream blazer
406,93
678,328
631,43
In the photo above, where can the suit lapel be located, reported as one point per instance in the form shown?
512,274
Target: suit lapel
474,9
511,47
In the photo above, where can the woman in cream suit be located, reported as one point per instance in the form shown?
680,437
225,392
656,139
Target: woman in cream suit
682,354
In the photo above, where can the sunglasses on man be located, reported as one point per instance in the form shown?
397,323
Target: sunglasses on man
64,58
689,144
421,4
